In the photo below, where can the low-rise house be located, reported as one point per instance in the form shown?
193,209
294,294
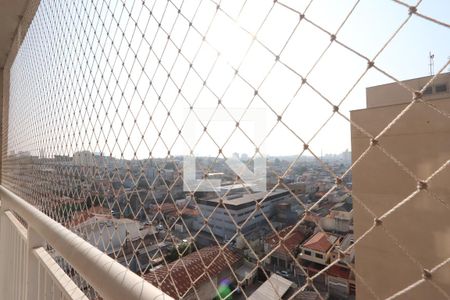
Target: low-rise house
340,278
340,281
340,217
318,247
337,222
286,247
343,245
110,234
82,216
197,275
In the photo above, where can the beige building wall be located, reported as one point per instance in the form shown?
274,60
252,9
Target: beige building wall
389,94
421,141
313,257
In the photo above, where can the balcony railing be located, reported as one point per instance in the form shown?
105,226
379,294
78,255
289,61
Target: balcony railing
29,272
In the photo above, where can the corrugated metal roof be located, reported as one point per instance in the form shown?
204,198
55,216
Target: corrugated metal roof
273,288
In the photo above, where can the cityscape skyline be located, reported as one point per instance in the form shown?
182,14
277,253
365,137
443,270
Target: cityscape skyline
119,105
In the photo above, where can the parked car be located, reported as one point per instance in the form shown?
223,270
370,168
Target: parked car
283,273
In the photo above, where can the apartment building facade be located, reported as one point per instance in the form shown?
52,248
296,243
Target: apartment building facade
415,236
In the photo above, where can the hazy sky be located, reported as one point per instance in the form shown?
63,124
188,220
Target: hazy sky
103,76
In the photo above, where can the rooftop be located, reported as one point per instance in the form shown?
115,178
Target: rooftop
290,243
338,271
273,288
393,93
345,206
176,278
84,215
320,241
347,241
249,197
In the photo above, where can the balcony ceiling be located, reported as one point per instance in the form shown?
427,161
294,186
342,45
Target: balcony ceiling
10,13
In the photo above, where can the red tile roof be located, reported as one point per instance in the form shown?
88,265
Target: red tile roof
83,215
167,208
290,243
337,271
179,275
318,242
191,212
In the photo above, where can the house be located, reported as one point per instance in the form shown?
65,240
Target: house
197,275
340,278
318,247
340,281
343,245
109,234
315,254
340,217
282,257
82,216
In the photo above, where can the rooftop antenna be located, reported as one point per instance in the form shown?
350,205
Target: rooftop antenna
431,64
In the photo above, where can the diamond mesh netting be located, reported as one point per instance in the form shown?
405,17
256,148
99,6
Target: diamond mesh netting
185,139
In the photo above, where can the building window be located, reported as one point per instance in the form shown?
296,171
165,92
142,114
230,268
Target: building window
307,252
428,90
273,261
318,255
440,88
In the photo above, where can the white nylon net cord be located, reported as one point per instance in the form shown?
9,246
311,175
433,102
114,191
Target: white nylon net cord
107,96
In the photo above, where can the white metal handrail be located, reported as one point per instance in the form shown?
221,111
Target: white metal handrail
108,277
